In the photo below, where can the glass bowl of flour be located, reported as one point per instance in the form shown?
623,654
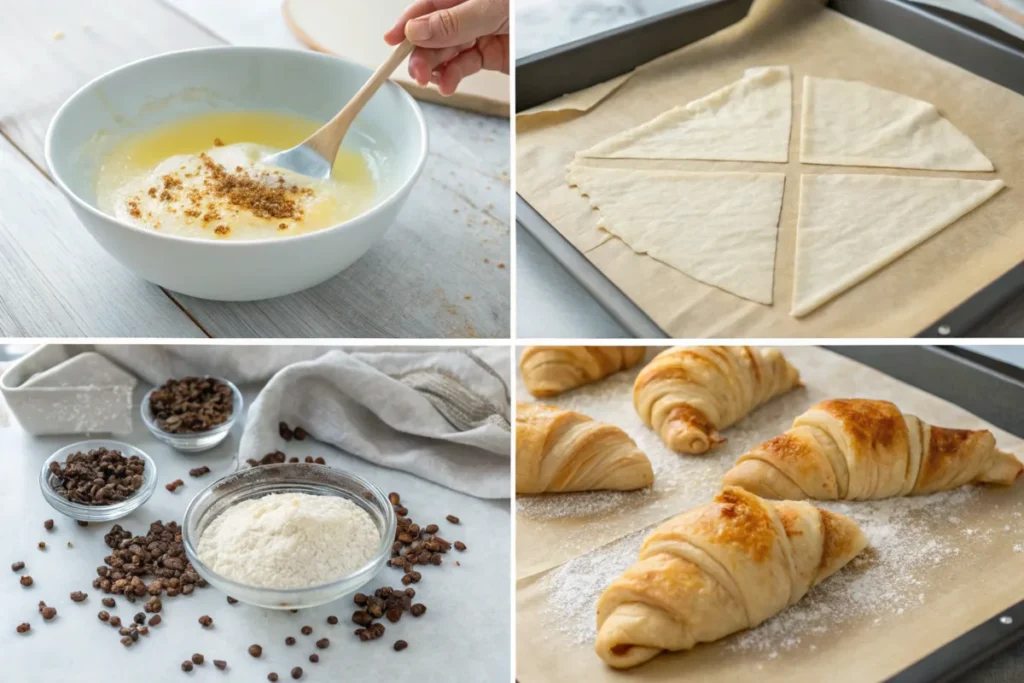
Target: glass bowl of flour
289,536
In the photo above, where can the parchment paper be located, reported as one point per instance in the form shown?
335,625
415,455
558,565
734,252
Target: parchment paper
899,300
947,562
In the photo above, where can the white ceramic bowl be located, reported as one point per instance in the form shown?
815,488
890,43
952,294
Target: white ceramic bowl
168,87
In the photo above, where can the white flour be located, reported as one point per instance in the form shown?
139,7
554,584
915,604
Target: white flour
289,540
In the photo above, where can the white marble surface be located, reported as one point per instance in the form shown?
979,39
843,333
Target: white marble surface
467,626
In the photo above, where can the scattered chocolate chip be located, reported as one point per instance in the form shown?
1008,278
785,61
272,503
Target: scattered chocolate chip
359,599
139,618
289,641
272,677
26,581
306,630
155,620
400,645
81,523
453,519
185,666
205,621
17,566
42,545
108,602
174,485
285,432
300,434
78,596
332,620
418,609
220,664
323,643
24,628
459,545
255,650
143,630
297,673
104,616
431,528
231,600
198,471
115,621
127,641
320,461
48,525
314,658
309,460
49,613
198,658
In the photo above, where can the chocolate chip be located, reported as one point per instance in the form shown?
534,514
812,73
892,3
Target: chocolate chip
139,618
332,620
297,673
460,546
418,609
198,471
48,525
323,643
26,581
272,677
289,641
198,658
49,613
220,664
205,621
42,545
314,658
174,485
300,434
17,566
104,616
255,650
320,461
306,630
81,523
115,621
155,620
185,666
78,596
453,519
284,431
24,628
231,600
431,528
108,602
400,645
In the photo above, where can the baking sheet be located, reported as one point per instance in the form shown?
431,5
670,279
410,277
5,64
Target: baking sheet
918,289
938,566
467,625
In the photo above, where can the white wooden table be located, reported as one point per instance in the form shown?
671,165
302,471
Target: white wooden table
435,274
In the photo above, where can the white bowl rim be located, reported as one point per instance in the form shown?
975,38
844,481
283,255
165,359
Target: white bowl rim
233,244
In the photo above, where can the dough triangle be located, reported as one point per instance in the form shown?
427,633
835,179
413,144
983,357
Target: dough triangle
719,228
851,226
849,123
747,120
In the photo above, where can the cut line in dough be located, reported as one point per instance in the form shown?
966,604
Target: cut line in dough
851,226
718,228
747,120
850,123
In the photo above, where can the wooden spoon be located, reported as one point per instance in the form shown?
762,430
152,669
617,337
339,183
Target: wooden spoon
315,155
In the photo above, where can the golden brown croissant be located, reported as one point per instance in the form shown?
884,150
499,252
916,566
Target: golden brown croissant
687,394
718,569
562,450
550,370
860,449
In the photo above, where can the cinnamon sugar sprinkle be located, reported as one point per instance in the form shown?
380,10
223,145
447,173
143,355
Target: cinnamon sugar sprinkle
262,193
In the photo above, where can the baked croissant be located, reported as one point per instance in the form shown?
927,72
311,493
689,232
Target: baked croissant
718,569
562,450
860,449
687,394
550,370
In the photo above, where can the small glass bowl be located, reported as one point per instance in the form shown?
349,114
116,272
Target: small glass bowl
97,513
201,441
257,482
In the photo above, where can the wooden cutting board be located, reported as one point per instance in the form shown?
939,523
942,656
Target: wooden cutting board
355,30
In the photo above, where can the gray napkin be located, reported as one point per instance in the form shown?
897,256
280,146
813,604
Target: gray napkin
441,415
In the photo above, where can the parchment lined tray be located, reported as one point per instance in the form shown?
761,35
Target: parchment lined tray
812,40
938,565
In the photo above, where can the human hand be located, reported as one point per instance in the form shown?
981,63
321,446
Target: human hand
454,39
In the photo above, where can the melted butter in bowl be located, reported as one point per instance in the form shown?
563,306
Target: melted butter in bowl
202,177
